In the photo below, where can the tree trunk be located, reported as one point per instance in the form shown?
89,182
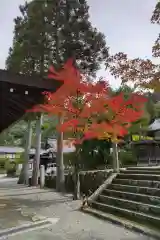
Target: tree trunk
60,187
36,163
27,151
77,193
24,177
60,180
21,176
115,157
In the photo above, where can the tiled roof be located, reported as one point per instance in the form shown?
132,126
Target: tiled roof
155,126
10,149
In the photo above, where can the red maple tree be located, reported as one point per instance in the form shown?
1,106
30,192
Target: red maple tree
88,109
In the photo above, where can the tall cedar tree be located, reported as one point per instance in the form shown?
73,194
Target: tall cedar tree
35,36
142,72
156,19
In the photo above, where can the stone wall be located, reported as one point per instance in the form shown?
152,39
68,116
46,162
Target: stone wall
89,181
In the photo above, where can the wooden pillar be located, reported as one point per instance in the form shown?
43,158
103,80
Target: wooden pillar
42,176
60,179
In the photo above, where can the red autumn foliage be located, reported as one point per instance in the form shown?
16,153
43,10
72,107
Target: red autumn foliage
88,109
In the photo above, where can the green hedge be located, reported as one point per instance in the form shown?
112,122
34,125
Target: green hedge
10,168
2,163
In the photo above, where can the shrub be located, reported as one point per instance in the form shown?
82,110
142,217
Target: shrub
2,163
127,158
10,168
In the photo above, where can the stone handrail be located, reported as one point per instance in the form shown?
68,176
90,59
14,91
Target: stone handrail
107,182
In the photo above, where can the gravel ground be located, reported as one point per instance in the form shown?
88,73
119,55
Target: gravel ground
72,224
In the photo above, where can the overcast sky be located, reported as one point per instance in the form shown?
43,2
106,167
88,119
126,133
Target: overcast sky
126,24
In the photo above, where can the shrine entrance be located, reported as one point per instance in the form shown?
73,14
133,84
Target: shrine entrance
19,93
147,152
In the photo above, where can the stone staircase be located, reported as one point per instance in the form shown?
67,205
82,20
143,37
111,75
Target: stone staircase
134,195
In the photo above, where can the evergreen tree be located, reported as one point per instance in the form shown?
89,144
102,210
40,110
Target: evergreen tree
156,20
142,73
35,37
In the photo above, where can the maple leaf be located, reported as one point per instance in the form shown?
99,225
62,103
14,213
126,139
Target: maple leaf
71,123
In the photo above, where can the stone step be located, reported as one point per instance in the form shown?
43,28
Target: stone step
126,223
138,176
130,205
141,183
153,172
128,214
132,196
135,189
156,168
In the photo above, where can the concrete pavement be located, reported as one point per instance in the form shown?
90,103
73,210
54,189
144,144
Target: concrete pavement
59,214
